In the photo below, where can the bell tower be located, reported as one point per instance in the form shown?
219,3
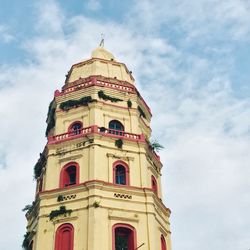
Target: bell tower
98,177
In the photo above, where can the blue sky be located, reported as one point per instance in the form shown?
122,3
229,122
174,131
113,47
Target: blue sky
191,62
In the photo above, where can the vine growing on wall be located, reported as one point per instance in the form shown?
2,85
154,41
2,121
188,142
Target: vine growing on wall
76,103
119,143
51,117
60,198
40,164
105,97
129,103
26,241
61,211
29,207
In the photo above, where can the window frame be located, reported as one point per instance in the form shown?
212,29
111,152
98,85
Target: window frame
127,227
126,167
116,131
63,172
70,128
59,232
154,184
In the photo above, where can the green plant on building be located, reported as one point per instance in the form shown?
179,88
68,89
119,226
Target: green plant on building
40,164
155,146
119,143
96,204
105,97
51,117
84,101
61,211
129,103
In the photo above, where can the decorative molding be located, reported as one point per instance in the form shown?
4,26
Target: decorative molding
123,196
70,158
163,231
125,158
64,219
123,218
154,170
68,197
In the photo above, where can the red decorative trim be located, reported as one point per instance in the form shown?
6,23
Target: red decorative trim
59,237
132,240
62,174
93,81
163,243
69,136
57,93
95,129
125,165
85,83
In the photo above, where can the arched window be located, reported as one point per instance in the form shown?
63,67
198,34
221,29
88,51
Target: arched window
120,173
64,237
154,184
124,237
163,243
69,175
115,127
75,128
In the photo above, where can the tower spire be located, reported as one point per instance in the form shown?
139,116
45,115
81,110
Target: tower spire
102,40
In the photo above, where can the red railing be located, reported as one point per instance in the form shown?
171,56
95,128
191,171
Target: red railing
95,129
69,135
101,131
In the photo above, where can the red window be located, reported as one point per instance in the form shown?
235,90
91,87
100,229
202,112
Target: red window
154,184
75,128
163,243
69,175
64,237
121,173
115,127
124,237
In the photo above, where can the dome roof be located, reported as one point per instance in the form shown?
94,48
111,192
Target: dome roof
102,53
102,63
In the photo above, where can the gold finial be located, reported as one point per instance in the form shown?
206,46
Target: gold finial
102,40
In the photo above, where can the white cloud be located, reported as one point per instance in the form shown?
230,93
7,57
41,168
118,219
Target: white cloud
203,126
5,35
201,20
94,5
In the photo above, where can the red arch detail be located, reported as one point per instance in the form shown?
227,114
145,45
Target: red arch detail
63,173
64,237
125,165
133,240
72,124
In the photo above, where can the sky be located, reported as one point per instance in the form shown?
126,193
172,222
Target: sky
191,62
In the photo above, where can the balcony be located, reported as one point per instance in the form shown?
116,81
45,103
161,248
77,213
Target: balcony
95,130
118,134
